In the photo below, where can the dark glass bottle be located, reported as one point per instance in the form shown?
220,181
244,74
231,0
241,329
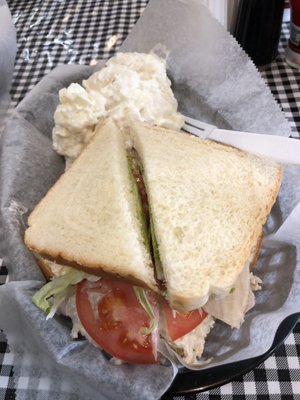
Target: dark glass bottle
293,48
257,28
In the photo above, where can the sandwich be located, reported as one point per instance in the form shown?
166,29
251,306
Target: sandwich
156,231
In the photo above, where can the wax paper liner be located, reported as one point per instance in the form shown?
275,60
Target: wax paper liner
8,47
214,81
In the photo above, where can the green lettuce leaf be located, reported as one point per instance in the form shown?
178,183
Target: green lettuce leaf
158,265
138,201
142,298
57,288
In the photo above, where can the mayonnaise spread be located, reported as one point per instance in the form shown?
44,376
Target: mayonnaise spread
192,344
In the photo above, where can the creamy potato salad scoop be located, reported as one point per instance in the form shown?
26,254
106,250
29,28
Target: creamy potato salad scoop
130,85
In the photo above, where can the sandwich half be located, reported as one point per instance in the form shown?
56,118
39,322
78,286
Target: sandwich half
208,203
90,218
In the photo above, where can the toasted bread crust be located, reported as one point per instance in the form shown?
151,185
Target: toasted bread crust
46,270
255,253
90,268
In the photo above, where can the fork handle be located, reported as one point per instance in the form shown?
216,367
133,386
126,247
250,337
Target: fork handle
278,148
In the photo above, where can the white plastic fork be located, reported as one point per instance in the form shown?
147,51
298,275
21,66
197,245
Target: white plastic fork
278,148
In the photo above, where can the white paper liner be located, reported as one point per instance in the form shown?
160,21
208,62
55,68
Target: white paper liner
8,47
213,81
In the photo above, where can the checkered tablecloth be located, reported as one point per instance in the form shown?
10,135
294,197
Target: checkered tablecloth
83,31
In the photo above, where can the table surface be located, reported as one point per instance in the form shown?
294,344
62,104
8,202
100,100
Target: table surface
51,33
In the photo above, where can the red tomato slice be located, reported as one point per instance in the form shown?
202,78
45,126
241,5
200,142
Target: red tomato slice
112,316
179,324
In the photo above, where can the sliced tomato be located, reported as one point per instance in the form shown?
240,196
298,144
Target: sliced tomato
179,324
113,317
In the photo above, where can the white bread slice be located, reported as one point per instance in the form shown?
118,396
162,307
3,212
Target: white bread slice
51,269
88,219
208,203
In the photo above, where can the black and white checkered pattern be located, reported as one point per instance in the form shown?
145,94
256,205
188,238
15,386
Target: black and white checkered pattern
3,273
83,31
284,82
67,32
277,378
7,386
